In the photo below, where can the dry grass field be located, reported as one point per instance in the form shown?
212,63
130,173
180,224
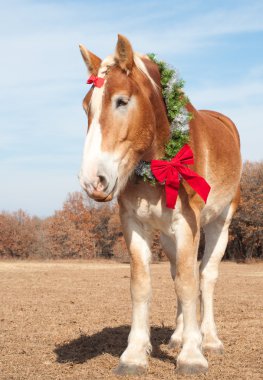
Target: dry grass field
70,320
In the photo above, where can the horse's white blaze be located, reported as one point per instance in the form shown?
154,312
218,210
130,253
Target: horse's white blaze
96,162
92,151
92,146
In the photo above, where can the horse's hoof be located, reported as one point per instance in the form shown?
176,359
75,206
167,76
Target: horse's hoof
130,369
174,344
213,349
191,369
191,363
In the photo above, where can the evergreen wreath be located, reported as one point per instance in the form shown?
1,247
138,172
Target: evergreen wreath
175,101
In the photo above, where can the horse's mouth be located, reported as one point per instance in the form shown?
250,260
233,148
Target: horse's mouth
108,197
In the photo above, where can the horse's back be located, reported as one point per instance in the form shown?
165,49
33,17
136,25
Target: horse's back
223,122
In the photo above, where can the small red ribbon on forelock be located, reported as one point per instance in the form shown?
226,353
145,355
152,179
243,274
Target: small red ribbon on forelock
169,172
97,81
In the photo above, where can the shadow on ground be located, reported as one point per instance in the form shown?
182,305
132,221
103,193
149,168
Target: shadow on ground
112,341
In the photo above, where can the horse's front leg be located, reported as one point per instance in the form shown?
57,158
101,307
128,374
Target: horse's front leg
169,247
187,233
134,359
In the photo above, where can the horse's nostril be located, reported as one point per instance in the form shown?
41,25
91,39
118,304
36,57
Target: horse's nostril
99,184
103,181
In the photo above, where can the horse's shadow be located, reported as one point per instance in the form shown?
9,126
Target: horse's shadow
110,340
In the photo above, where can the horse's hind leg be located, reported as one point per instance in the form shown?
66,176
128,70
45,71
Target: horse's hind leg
216,238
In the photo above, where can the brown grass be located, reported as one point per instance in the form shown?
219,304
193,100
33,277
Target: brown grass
70,320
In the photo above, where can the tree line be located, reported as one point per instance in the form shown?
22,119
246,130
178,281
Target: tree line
81,229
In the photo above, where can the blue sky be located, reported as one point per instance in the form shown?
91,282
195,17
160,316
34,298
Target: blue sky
217,46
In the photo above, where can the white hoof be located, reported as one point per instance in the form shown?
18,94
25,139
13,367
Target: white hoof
191,363
125,369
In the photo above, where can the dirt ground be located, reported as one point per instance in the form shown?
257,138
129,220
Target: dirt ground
70,320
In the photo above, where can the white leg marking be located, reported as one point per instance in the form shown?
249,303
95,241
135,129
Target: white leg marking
190,360
134,358
169,248
216,237
177,337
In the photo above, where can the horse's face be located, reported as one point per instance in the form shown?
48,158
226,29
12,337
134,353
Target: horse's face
121,121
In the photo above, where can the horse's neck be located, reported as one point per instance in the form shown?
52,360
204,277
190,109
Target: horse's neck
162,129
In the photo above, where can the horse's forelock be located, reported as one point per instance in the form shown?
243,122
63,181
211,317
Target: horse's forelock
139,63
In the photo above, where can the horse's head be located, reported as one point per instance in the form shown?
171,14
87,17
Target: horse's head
126,119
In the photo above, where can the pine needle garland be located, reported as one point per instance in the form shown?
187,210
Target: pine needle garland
175,101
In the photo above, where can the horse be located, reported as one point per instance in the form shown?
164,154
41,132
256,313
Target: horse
127,123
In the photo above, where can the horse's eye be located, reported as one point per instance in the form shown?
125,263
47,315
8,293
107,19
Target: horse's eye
121,102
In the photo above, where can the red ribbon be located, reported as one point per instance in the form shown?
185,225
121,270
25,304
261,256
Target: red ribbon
169,172
97,81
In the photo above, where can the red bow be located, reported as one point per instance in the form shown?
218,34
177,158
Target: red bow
97,81
169,172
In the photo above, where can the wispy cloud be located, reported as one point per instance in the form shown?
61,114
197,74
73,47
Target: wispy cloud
235,93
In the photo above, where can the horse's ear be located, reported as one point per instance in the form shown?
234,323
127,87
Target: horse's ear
91,60
124,54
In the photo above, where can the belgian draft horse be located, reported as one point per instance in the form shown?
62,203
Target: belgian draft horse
127,122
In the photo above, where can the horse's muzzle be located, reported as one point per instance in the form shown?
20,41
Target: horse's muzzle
100,190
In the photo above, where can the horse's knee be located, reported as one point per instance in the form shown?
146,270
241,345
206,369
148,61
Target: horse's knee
186,285
208,275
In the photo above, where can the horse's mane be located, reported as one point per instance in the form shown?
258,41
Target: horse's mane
141,66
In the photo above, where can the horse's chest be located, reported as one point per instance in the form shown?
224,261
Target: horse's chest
157,216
